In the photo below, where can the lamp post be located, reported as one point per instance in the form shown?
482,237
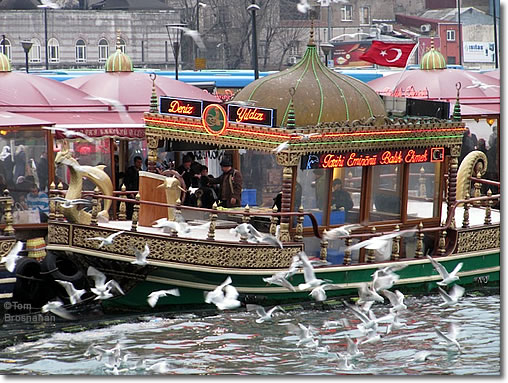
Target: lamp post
253,7
198,5
27,45
326,48
175,42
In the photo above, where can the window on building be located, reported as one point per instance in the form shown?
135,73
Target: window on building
450,35
293,48
34,56
53,51
346,13
80,51
451,60
365,15
103,50
5,48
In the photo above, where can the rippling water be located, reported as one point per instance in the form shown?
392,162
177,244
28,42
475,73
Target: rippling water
233,343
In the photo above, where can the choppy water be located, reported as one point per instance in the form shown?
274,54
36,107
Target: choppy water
233,343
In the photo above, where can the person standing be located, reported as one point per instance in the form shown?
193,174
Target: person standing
42,171
38,200
230,182
131,182
341,199
19,162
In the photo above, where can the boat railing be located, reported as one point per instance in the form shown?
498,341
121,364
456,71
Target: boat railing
6,205
367,231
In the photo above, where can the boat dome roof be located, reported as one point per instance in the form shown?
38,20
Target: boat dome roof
319,94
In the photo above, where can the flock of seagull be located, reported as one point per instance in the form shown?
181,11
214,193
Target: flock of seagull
225,296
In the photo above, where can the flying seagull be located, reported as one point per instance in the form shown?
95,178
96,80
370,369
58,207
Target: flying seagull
141,256
447,277
154,296
107,240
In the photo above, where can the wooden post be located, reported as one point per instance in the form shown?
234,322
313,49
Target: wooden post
488,209
452,179
245,219
371,256
52,203
442,243
396,246
122,209
95,206
465,218
477,189
347,252
152,143
419,242
273,222
287,177
213,223
9,229
59,208
323,252
299,226
135,214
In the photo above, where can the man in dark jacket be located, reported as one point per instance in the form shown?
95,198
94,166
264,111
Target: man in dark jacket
230,182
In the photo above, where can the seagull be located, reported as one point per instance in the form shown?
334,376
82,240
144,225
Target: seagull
11,258
102,289
385,282
117,105
308,273
56,307
74,294
194,35
241,103
279,279
246,229
395,323
396,299
108,240
154,296
352,348
306,136
421,356
339,232
380,243
281,147
70,133
227,300
447,277
69,203
159,368
306,335
181,227
303,6
141,256
451,298
369,321
344,363
453,331
271,240
318,292
366,293
262,313
217,292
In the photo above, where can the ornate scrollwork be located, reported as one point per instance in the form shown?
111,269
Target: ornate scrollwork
6,245
288,159
58,234
479,239
190,251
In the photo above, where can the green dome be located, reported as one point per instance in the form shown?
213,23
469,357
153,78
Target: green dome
319,94
5,65
119,62
433,59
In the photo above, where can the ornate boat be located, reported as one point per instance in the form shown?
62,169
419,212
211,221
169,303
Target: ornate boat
402,173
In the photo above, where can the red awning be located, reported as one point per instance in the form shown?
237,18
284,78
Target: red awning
14,120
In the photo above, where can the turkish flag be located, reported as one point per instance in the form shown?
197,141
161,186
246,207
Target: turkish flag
388,54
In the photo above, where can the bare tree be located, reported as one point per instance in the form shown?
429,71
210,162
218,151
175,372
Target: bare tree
285,39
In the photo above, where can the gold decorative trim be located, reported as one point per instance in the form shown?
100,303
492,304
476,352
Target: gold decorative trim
190,251
58,234
478,239
6,245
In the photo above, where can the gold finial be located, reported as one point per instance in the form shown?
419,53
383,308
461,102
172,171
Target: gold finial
154,107
118,40
432,42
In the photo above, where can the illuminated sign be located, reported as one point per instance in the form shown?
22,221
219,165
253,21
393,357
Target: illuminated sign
214,119
251,115
385,157
180,107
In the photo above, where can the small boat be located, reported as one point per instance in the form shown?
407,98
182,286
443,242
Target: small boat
402,174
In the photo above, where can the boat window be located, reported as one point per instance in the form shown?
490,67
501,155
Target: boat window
23,163
262,178
346,195
314,184
423,189
386,185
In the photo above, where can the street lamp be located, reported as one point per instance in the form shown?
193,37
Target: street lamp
175,42
27,45
198,5
326,48
253,7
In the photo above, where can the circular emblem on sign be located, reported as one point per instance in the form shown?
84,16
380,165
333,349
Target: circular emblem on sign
214,119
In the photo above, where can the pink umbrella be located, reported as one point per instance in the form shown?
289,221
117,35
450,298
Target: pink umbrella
439,84
21,91
135,88
496,73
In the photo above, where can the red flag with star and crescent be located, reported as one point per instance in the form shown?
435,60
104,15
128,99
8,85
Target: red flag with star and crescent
388,54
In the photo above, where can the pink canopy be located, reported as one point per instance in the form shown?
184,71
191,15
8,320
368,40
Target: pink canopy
496,73
440,84
135,88
21,91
